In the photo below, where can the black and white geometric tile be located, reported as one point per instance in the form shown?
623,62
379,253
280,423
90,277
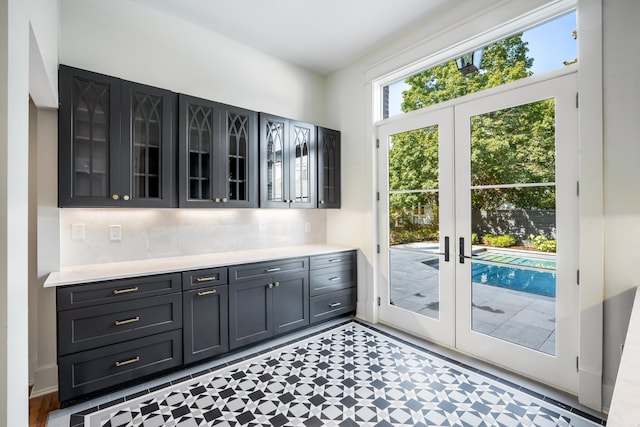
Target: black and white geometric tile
351,375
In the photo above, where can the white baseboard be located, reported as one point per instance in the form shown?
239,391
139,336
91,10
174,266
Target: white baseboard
45,381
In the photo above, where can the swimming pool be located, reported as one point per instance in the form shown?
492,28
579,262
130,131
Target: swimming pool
547,262
520,272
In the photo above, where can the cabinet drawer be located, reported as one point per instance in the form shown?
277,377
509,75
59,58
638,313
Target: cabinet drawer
117,290
333,304
204,278
91,327
331,279
98,369
339,258
252,271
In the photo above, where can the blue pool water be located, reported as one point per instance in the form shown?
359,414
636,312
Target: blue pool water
519,279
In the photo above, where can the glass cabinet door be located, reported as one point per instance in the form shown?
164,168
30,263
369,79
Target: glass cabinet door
302,146
89,139
328,168
239,187
198,151
147,146
288,163
274,137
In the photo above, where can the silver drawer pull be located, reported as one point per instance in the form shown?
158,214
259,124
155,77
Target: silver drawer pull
203,293
206,279
335,304
272,270
333,279
126,362
335,260
124,322
125,291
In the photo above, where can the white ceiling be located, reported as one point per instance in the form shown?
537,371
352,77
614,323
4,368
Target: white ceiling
320,35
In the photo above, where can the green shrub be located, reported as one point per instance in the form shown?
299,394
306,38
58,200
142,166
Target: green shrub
542,243
474,239
501,241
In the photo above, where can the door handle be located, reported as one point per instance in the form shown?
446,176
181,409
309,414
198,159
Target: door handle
446,249
462,255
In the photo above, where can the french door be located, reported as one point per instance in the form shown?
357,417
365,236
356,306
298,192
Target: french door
479,227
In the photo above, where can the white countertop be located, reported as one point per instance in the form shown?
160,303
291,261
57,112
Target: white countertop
120,270
625,403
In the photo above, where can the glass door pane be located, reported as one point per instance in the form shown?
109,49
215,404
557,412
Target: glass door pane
416,225
513,211
414,246
91,138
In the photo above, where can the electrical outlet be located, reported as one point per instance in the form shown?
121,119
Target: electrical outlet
115,232
77,231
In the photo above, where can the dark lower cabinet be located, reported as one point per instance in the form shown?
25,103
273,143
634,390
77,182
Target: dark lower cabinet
103,367
250,312
206,322
269,305
290,303
115,332
333,281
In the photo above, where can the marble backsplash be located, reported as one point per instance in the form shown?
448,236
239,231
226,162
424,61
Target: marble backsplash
157,233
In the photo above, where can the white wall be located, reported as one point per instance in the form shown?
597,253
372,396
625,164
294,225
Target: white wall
128,40
43,52
14,117
157,233
621,60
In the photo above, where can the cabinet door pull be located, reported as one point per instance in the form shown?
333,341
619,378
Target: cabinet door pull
206,279
333,279
272,270
277,284
124,291
126,362
335,304
334,260
203,293
124,322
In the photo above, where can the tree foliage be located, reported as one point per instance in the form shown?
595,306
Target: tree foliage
511,146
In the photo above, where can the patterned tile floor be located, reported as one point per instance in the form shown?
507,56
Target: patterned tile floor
349,375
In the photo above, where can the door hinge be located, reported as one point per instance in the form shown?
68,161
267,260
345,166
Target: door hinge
577,100
378,196
578,277
379,302
578,364
377,143
378,248
578,188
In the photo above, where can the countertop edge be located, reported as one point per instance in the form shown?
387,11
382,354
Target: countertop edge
147,267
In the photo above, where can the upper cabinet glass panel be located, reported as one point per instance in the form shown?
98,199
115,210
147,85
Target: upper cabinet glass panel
91,138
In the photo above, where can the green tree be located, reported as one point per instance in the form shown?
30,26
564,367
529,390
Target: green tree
515,145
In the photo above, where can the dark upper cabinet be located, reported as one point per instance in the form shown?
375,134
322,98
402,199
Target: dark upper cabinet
218,155
328,169
116,142
287,163
148,136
